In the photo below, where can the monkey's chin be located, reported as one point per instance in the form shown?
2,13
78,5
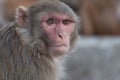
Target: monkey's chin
59,51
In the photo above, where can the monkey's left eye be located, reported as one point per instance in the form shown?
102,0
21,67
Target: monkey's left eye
51,21
66,22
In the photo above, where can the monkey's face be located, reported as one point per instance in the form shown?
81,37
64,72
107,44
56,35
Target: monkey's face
57,30
53,25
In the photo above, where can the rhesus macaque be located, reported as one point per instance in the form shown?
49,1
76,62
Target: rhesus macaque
33,46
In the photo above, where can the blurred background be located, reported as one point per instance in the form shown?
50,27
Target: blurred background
97,52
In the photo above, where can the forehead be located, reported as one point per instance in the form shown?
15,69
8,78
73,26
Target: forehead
59,16
55,15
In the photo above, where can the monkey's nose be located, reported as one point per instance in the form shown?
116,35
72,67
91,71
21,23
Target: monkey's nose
62,36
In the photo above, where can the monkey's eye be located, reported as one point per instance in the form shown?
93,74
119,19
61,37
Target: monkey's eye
51,21
66,22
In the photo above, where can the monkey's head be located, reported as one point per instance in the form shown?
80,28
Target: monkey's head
51,21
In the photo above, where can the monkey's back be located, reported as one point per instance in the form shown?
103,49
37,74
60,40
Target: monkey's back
11,59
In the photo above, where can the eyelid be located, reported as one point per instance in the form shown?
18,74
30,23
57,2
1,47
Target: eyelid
68,21
51,21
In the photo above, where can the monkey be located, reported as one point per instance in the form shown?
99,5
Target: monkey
35,44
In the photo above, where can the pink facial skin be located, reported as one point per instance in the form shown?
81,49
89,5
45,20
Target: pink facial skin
59,28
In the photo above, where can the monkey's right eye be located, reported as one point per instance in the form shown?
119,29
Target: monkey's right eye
51,21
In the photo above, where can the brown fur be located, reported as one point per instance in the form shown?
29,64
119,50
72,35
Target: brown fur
99,17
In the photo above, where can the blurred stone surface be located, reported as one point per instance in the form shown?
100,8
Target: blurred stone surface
100,17
95,58
2,20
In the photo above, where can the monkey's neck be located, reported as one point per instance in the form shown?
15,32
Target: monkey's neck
52,68
60,67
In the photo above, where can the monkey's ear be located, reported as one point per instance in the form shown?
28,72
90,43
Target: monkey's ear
21,14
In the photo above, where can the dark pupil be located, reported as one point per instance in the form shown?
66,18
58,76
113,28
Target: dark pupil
65,22
50,21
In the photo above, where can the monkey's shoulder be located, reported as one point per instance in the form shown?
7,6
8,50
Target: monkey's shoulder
8,34
7,26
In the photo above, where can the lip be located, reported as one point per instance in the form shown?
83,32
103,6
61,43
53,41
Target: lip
60,45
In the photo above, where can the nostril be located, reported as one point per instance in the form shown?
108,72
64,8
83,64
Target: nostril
60,36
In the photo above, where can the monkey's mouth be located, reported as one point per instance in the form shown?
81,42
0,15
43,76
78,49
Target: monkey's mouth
58,50
60,45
